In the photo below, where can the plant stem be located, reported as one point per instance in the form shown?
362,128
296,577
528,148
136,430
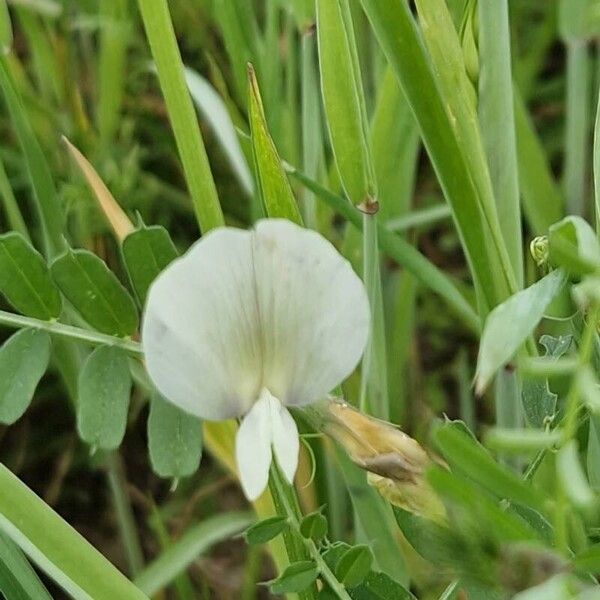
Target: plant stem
289,503
570,422
69,331
374,392
576,143
125,519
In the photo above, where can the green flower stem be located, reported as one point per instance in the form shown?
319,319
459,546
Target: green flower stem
570,422
285,499
374,389
69,331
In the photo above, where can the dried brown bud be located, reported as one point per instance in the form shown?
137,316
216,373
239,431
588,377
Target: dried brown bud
396,462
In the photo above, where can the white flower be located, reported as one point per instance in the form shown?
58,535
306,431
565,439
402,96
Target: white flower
248,323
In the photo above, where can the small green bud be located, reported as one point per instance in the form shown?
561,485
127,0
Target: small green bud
539,250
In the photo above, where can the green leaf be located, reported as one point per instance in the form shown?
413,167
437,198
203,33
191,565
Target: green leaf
497,120
214,110
593,452
25,279
354,565
18,580
572,244
588,560
174,439
374,518
163,44
539,402
379,586
376,586
196,540
542,198
572,477
23,361
510,323
103,401
95,292
343,100
466,455
6,35
297,577
146,252
314,526
403,47
275,188
482,511
265,530
47,202
57,549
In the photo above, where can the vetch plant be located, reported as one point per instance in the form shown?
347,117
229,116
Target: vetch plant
250,323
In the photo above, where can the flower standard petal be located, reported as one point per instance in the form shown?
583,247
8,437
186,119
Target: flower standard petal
253,448
200,329
313,308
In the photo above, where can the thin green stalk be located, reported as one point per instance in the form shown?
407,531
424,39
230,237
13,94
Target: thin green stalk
124,514
597,166
402,252
496,115
13,212
286,505
420,218
374,386
163,44
69,331
114,38
579,76
570,422
289,504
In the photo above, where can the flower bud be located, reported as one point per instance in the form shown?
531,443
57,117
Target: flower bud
396,463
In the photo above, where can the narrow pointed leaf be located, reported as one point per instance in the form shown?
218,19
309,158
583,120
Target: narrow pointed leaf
169,66
103,401
18,580
146,252
57,549
470,458
275,188
510,323
174,440
403,47
6,35
23,361
214,110
25,279
95,292
47,203
343,100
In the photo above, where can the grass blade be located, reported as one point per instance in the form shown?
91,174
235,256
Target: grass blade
57,548
196,540
496,116
400,40
275,188
163,44
47,203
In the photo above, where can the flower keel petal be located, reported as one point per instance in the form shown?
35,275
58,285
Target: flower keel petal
285,440
253,449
